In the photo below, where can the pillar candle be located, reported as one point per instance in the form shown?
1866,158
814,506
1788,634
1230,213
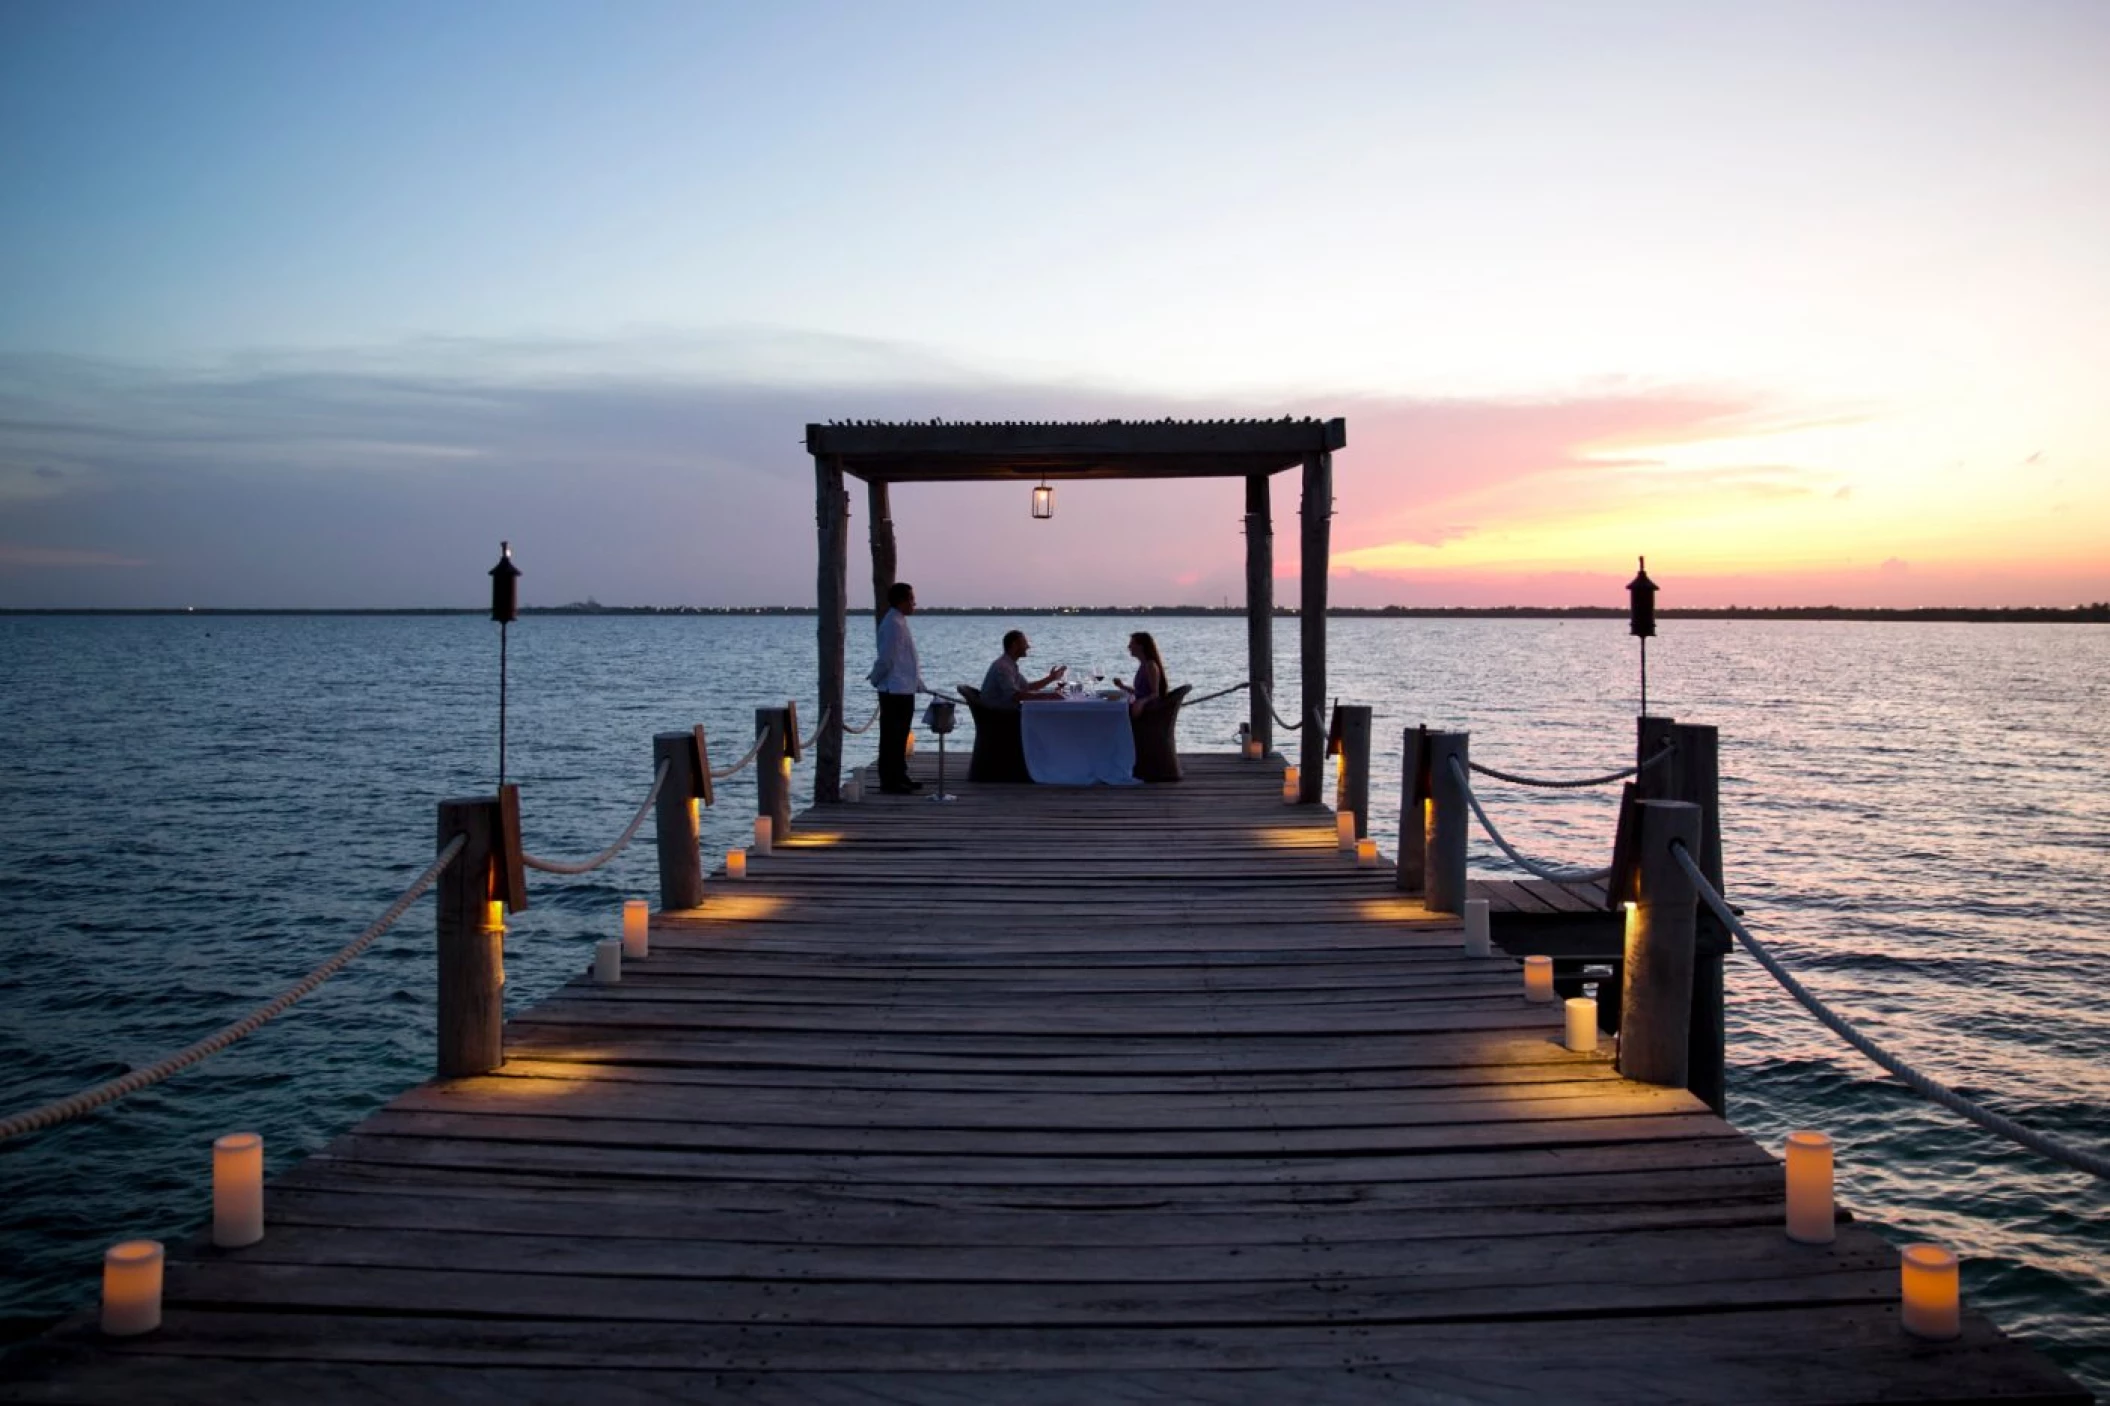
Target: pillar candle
1477,942
494,915
854,789
1582,1024
764,829
237,1189
132,1288
1809,1173
1344,829
1366,852
1252,749
637,927
1928,1293
1538,979
736,864
1289,784
608,961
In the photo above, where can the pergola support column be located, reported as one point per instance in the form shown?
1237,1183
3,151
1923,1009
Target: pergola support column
882,530
832,595
1317,514
1259,609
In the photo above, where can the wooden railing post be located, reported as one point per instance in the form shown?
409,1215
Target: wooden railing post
471,955
1411,873
1449,821
680,834
772,791
1259,611
1698,766
1351,737
1655,1017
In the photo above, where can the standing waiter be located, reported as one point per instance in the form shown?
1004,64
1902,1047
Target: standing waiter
899,679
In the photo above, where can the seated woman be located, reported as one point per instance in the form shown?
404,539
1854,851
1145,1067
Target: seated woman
1150,673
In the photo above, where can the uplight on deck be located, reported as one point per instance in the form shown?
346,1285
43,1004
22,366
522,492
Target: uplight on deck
132,1288
1929,1299
637,928
1809,1174
237,1190
494,915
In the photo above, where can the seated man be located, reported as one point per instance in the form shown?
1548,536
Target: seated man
1005,687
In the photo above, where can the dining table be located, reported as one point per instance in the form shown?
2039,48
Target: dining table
1078,740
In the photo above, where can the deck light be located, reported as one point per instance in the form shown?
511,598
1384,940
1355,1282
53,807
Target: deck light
1582,1024
1043,500
1289,785
1809,1172
237,1189
608,962
1928,1294
494,915
1344,830
1476,928
736,864
764,832
637,928
1366,852
132,1288
1538,979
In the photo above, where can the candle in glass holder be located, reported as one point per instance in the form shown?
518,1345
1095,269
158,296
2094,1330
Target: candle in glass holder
1344,830
1477,943
637,927
608,961
1929,1299
1289,785
1582,1024
132,1288
237,1189
736,864
1538,979
1366,852
1809,1176
765,828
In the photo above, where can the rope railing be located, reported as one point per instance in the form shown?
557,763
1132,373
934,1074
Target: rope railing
806,743
1221,692
866,725
65,1110
1571,876
1610,776
726,773
587,866
2095,1164
1268,696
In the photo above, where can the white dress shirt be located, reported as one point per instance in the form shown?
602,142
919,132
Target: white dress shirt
896,670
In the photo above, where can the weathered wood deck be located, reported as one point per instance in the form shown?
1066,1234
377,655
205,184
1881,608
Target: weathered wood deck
1042,1096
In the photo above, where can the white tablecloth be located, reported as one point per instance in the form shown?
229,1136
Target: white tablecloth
1079,742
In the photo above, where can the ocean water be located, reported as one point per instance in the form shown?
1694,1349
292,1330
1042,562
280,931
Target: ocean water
194,811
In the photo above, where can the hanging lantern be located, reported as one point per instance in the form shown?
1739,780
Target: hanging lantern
1641,602
1043,501
505,593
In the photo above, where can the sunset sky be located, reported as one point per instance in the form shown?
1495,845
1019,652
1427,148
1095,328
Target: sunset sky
311,304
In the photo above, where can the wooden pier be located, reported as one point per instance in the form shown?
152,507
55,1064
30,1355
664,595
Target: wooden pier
1041,1096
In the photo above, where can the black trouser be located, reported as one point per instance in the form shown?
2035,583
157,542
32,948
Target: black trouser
897,713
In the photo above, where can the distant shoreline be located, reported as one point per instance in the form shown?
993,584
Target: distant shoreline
2096,614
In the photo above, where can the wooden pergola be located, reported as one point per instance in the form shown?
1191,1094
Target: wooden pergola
972,452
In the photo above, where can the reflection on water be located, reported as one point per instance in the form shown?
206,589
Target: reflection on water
196,810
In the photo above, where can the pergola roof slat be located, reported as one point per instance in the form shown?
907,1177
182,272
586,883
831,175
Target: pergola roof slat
956,451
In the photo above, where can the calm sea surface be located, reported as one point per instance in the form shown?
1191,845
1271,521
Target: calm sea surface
194,811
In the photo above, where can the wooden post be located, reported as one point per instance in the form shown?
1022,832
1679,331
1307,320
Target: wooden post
1351,734
1655,1015
1412,873
471,956
832,599
1654,783
1317,514
680,838
881,529
1698,766
1450,820
772,796
1259,609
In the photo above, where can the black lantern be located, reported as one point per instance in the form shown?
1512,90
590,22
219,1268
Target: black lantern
1641,602
505,595
1043,501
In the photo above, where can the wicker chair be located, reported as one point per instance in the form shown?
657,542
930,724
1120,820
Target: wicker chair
999,749
1157,745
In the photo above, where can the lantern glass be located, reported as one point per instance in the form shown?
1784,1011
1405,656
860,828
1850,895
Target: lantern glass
1043,502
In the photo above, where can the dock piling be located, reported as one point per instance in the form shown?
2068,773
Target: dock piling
674,817
772,787
1655,1017
1351,739
1446,826
471,955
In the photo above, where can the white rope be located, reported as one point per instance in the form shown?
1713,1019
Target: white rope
2095,1164
1620,775
1268,695
866,725
65,1110
1212,697
587,866
1572,876
806,744
722,773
